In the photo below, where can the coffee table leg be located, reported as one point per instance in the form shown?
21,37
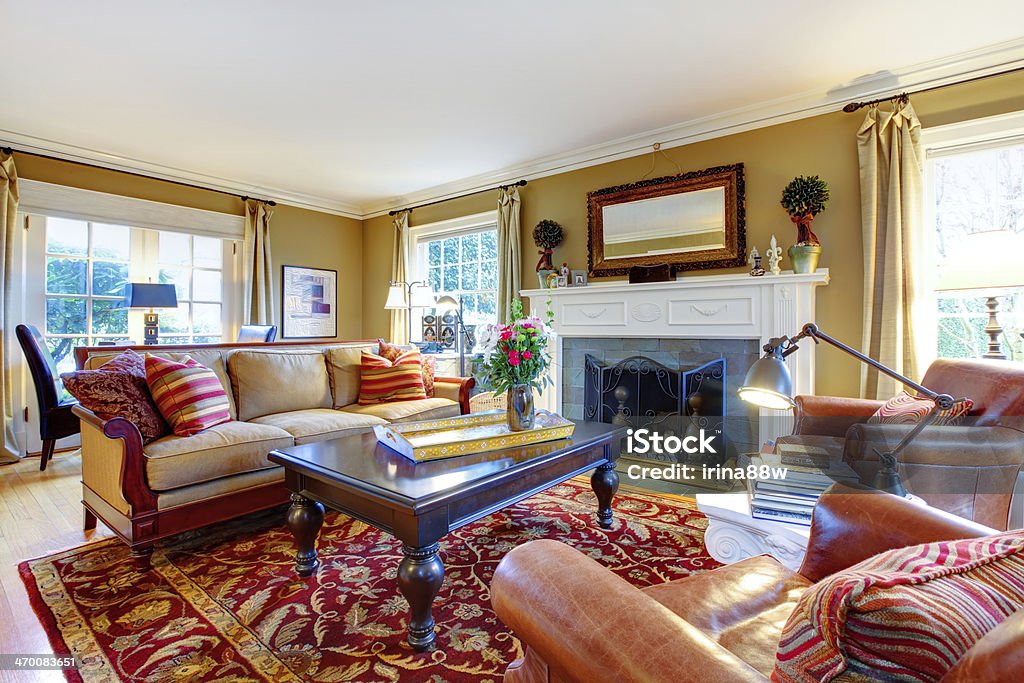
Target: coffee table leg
605,482
305,517
420,575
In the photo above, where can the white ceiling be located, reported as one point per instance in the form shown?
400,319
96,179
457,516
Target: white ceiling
365,105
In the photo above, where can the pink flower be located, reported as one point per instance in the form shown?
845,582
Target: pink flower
527,354
514,360
506,334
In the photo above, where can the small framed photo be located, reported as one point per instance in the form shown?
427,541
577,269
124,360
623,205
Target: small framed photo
552,280
563,281
579,278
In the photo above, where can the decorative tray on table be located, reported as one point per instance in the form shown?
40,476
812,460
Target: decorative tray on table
465,434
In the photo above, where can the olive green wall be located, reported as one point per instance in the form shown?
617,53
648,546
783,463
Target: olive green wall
823,145
298,237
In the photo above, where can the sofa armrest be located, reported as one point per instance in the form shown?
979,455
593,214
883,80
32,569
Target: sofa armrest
852,523
455,388
112,462
831,415
587,624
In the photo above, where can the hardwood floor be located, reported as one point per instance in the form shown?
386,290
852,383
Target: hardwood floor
40,513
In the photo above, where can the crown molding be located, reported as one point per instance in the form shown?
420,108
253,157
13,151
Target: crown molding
31,144
984,61
965,66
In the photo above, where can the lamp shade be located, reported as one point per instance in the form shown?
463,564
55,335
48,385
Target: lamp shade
149,295
768,384
984,260
422,296
447,303
396,297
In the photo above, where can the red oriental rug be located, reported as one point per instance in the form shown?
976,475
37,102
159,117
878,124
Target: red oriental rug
224,603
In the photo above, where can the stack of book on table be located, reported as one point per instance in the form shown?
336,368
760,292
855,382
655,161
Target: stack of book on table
791,498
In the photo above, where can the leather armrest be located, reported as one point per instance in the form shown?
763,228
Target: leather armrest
831,415
853,523
589,625
455,388
938,445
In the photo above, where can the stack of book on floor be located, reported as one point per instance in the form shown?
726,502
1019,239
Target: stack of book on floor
791,499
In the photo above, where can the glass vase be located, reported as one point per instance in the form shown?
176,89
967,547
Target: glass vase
520,413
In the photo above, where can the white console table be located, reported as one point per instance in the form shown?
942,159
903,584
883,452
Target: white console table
734,535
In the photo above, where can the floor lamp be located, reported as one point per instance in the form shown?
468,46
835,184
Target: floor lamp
768,384
409,295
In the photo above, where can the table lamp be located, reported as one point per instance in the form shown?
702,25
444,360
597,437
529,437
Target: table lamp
409,295
987,262
149,296
768,384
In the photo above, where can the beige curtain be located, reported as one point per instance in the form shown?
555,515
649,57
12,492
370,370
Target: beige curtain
8,215
509,250
891,162
257,266
399,273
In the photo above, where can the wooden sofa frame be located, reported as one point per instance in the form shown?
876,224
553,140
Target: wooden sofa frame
141,524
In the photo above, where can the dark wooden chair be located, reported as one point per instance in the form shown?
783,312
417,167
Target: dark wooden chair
257,333
56,420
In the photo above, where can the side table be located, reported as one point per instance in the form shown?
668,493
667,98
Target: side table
734,535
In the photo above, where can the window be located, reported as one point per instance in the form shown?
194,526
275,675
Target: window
460,258
87,265
977,189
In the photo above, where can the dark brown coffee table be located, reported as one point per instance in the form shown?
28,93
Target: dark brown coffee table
421,502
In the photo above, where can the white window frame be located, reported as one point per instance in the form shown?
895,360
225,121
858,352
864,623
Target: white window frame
990,132
454,227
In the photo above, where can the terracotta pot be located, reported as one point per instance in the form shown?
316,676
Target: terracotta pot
519,412
804,258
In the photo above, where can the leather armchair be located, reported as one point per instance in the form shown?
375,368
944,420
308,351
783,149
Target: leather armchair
582,623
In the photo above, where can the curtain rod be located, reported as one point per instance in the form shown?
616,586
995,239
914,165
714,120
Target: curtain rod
520,183
9,150
905,96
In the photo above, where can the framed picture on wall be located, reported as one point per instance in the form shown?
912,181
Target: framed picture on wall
309,303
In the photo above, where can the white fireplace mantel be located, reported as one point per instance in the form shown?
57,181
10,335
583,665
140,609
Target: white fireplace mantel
691,307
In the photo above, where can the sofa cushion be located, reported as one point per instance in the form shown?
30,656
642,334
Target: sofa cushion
227,449
319,424
343,364
219,487
408,411
904,614
269,382
188,394
382,381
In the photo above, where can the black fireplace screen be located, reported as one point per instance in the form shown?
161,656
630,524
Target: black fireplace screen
642,393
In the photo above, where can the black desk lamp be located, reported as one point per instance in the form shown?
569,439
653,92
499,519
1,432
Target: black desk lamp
149,296
768,384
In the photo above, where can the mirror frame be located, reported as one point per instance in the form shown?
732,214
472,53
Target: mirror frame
733,254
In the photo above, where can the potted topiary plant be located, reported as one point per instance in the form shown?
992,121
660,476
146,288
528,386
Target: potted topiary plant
803,199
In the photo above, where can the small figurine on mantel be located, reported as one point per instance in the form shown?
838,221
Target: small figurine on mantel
565,272
774,256
755,263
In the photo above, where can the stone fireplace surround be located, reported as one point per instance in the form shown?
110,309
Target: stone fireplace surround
725,315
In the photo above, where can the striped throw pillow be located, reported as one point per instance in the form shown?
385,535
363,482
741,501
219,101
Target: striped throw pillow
393,351
381,381
906,409
903,615
188,395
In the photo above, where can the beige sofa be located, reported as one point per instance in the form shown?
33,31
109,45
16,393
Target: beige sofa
280,395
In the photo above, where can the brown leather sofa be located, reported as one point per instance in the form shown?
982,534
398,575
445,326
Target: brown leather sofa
582,623
970,470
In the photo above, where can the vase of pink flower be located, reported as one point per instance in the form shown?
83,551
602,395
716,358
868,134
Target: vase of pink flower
516,362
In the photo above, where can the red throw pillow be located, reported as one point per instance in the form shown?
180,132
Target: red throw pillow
393,351
118,389
189,395
381,381
906,409
907,614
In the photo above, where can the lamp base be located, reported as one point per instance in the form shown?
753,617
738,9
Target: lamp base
151,331
994,330
888,480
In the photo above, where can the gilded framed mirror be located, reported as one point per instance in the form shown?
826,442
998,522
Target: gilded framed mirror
691,221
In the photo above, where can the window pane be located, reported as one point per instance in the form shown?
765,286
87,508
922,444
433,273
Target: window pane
174,340
207,252
65,315
65,236
111,242
174,320
66,276
470,247
451,279
206,318
179,278
434,253
470,276
435,279
107,319
489,244
489,275
109,279
451,250
61,348
206,285
207,340
173,249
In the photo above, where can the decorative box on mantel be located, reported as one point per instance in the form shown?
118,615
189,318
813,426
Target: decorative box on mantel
704,307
